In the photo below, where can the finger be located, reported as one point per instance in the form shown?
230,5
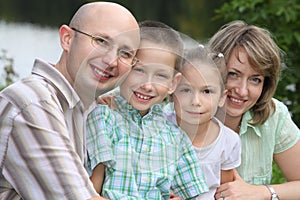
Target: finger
218,195
103,100
222,187
113,104
100,101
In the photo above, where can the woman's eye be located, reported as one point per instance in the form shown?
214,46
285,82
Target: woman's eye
232,74
256,80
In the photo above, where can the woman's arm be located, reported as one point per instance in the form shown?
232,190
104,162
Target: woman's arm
288,161
227,176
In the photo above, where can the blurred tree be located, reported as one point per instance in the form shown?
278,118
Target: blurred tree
196,18
192,17
51,13
282,19
7,64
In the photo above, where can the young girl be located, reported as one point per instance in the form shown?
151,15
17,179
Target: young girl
196,101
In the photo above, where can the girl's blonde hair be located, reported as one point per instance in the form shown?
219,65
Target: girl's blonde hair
202,54
263,54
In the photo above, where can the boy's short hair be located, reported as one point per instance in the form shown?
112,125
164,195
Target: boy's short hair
164,36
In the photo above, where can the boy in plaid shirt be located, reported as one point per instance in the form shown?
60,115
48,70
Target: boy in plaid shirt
144,156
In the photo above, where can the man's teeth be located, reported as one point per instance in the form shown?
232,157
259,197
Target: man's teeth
236,100
100,73
142,96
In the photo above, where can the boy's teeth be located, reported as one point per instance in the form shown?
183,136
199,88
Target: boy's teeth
142,96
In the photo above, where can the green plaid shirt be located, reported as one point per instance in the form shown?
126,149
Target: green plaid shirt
145,157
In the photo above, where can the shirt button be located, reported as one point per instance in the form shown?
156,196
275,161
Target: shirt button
148,149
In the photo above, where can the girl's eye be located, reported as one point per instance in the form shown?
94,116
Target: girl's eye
207,91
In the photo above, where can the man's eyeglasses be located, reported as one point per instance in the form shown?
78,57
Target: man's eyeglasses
104,46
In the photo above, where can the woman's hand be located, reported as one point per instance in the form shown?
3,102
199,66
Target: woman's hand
239,189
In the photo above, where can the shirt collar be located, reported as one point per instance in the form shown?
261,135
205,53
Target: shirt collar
245,125
125,106
57,80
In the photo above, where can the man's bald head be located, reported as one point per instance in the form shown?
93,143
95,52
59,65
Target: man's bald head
87,62
104,12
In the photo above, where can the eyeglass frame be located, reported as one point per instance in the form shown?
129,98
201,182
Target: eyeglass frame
99,40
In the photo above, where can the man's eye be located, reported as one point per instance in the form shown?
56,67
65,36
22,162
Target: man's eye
101,41
125,54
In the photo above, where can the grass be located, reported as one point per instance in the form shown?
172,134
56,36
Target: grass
277,175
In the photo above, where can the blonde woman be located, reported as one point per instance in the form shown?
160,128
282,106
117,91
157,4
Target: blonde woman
263,123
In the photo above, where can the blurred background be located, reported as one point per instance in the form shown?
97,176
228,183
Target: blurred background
29,29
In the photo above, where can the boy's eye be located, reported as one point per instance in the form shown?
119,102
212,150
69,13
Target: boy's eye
186,90
137,69
163,75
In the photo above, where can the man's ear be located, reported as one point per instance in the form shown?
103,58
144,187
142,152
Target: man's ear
65,35
175,81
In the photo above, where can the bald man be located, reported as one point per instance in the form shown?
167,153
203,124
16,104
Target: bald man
42,117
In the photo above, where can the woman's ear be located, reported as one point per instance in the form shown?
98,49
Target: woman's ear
65,35
175,82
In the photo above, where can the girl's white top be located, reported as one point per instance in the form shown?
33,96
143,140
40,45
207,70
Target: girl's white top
223,154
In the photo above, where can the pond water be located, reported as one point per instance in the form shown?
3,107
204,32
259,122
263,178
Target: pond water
24,42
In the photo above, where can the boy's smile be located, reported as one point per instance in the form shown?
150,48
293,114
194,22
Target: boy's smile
150,80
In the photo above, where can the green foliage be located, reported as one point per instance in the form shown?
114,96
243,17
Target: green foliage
282,19
7,64
53,13
277,176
